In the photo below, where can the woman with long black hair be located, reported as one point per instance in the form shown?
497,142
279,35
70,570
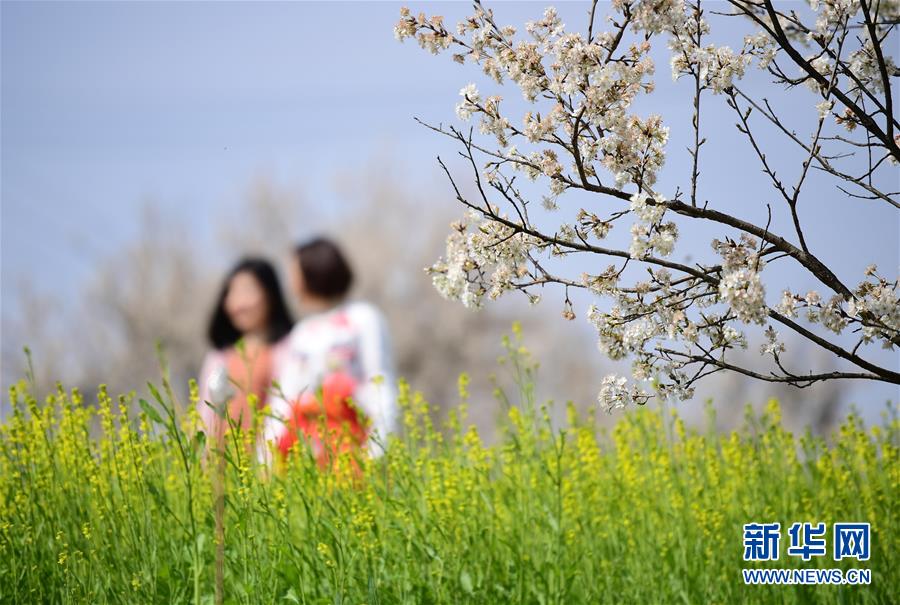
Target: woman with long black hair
248,323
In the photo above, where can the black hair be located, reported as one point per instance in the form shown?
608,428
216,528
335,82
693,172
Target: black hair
223,334
324,268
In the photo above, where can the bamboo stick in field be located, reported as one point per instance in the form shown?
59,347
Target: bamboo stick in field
221,392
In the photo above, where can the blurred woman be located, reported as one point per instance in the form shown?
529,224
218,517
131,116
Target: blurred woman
248,324
335,374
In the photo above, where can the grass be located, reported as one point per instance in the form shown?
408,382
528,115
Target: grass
100,503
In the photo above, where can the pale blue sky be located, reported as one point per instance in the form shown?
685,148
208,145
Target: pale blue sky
107,105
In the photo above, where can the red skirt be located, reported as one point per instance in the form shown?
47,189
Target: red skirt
329,423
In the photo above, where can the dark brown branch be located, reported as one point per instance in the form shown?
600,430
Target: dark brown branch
883,373
800,381
823,162
882,68
864,118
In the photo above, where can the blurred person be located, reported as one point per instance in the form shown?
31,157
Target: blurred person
336,372
247,329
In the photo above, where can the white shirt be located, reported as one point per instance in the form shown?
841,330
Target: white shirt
351,337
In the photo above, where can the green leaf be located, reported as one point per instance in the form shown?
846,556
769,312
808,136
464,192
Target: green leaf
151,412
199,441
155,393
291,596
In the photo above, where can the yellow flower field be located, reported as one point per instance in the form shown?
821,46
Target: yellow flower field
99,504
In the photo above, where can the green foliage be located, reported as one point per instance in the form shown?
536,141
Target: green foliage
98,505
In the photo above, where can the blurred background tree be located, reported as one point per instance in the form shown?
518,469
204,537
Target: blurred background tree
160,287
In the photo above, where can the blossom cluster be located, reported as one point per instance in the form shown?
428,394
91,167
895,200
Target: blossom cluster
873,307
740,284
863,64
592,92
830,13
615,393
648,233
654,16
483,257
715,67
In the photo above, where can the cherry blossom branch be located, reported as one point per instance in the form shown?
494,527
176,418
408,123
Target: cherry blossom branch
486,210
590,84
806,259
777,32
